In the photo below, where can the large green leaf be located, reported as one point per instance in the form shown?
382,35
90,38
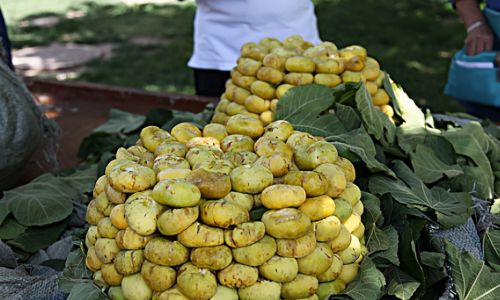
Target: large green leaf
121,122
375,122
158,116
376,240
99,143
491,128
472,278
82,179
408,252
450,208
371,163
372,216
4,209
400,284
441,147
75,271
325,125
381,185
433,260
345,93
476,181
368,284
462,203
348,116
200,119
409,137
86,291
45,200
469,141
416,185
10,229
304,102
390,255
358,142
303,107
39,237
429,168
491,246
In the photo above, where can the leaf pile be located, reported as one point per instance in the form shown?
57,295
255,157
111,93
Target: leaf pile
415,172
34,217
419,173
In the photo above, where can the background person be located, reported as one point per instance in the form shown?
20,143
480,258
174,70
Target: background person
222,26
481,37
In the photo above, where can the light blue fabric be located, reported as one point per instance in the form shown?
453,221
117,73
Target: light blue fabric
471,84
493,17
476,84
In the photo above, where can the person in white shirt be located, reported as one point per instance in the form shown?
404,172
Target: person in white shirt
221,27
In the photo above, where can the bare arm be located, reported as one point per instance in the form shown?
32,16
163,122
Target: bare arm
479,38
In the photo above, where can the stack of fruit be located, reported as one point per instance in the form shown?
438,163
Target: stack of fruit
240,211
265,71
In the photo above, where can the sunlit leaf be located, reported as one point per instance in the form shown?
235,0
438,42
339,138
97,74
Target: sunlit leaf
404,106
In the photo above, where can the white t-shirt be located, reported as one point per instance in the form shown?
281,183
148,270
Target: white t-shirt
222,26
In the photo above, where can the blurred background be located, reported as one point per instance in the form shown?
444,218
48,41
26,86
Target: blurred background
146,44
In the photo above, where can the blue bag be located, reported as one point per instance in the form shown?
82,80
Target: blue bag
474,78
493,17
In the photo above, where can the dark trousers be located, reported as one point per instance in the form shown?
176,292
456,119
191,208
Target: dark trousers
482,111
210,82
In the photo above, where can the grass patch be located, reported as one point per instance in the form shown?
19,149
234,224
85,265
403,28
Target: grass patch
413,40
15,10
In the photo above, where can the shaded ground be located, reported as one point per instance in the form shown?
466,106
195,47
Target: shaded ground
61,61
414,40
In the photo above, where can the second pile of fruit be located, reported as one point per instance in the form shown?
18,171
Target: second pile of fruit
265,71
240,211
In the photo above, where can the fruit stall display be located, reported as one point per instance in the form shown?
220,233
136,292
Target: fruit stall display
265,71
314,177
213,211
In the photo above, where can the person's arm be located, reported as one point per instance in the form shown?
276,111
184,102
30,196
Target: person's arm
479,36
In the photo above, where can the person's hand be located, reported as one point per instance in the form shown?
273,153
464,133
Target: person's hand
479,40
